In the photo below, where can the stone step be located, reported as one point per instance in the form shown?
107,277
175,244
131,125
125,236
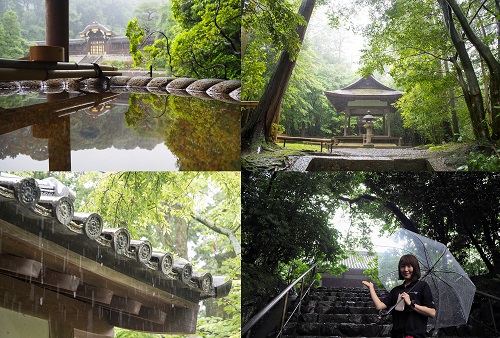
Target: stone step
346,293
344,318
360,303
341,298
325,310
341,312
340,329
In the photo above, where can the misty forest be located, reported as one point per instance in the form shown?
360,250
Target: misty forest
447,69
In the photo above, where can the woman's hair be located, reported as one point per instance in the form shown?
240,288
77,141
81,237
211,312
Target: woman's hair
409,260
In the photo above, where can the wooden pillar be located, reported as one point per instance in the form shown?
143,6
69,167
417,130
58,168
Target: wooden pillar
384,123
349,124
57,24
58,133
345,121
388,111
58,329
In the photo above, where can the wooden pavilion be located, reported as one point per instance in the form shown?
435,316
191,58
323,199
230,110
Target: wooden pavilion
63,275
365,96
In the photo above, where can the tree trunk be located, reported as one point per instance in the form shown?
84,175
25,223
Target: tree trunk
492,63
471,88
453,107
259,125
181,237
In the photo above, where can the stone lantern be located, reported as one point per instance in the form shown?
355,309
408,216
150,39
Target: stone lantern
369,129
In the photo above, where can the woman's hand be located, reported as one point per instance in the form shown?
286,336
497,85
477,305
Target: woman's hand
369,284
406,297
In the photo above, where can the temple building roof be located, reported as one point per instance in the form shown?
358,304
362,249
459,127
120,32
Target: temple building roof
94,27
52,256
365,92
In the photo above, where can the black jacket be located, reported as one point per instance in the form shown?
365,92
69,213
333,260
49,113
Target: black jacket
410,322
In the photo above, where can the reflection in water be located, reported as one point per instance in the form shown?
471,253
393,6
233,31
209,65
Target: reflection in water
109,131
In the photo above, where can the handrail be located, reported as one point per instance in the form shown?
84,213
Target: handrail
265,310
490,297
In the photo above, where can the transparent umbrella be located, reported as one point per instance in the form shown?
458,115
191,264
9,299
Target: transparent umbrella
452,290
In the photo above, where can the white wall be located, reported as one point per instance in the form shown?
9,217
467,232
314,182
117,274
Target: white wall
16,325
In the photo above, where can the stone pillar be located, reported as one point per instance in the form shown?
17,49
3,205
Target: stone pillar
57,24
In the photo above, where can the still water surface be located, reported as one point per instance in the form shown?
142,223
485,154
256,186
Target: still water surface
117,131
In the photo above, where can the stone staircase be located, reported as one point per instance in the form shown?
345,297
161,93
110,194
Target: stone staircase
348,312
90,59
338,312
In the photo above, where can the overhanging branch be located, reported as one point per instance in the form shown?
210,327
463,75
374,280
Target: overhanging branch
405,221
220,230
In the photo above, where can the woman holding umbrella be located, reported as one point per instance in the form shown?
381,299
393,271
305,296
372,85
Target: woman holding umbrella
411,301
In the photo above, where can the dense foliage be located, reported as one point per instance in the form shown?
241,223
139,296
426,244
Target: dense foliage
269,29
286,222
288,218
448,67
173,210
197,39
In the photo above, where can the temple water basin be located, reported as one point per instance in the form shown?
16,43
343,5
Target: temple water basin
117,131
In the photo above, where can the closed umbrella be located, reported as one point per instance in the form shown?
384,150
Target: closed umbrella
452,289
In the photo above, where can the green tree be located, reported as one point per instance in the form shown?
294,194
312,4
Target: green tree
417,66
152,202
285,219
14,45
206,42
289,32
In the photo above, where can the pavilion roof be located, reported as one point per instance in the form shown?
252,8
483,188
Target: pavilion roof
48,247
363,89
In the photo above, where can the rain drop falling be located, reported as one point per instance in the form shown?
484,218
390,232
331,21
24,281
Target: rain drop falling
74,294
41,300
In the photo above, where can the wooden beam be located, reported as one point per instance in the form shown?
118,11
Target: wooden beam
20,265
178,321
59,280
57,25
84,334
154,315
94,294
89,271
58,329
125,304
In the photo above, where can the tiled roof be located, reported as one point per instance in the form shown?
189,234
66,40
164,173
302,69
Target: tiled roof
358,260
363,89
96,26
50,198
53,257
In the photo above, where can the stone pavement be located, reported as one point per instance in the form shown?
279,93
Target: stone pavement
373,159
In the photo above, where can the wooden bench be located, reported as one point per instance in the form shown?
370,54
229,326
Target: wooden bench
326,141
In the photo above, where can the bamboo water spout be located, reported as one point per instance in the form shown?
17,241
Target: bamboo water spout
20,70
